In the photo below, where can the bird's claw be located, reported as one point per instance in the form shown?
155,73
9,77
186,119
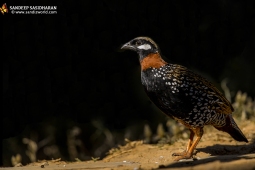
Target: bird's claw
179,153
186,156
182,155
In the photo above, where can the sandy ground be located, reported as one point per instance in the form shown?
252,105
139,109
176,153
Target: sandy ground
216,150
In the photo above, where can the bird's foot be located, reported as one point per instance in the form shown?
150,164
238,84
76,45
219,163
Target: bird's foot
179,153
184,156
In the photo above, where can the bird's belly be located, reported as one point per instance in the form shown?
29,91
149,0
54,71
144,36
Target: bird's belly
167,104
193,106
180,108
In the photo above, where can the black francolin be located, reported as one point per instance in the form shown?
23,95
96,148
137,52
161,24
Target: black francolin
183,95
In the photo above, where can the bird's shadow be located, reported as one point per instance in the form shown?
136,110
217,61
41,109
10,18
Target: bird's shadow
222,153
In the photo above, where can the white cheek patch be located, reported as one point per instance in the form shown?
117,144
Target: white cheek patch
144,47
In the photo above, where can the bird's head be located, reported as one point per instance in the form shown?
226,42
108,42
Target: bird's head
142,45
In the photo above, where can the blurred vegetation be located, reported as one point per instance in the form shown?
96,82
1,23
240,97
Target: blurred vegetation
244,106
68,92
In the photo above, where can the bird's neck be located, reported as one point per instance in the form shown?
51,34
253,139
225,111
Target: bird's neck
152,60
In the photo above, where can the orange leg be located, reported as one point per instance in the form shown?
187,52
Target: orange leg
190,149
188,146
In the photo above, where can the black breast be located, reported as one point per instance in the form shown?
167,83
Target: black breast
165,91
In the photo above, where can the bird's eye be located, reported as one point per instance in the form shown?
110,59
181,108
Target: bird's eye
138,43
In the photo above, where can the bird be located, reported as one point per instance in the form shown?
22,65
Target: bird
183,95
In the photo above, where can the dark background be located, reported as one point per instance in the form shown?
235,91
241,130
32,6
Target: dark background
66,70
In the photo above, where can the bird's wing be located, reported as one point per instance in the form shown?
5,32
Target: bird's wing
216,100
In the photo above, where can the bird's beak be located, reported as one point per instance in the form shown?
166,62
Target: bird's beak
127,46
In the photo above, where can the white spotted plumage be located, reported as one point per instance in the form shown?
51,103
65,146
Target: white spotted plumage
201,96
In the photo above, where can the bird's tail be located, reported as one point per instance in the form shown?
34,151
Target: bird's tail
232,129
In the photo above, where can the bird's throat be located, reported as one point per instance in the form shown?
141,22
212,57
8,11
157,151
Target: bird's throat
152,60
